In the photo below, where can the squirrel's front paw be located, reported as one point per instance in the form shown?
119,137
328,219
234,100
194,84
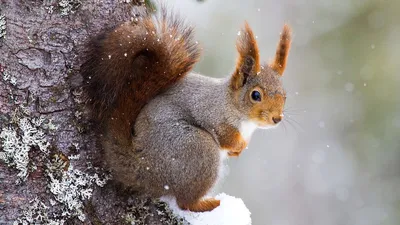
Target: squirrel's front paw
204,205
234,154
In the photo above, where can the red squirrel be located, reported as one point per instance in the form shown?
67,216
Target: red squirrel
166,129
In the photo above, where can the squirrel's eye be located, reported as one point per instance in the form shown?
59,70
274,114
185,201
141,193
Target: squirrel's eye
256,96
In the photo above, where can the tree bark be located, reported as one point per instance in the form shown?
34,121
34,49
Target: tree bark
50,165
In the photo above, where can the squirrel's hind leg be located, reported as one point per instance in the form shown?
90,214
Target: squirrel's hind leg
202,205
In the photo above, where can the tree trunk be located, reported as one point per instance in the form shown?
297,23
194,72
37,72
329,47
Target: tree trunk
50,169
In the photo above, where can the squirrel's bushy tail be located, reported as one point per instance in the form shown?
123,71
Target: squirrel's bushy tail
130,65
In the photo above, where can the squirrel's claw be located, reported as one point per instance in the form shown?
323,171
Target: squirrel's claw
234,154
203,205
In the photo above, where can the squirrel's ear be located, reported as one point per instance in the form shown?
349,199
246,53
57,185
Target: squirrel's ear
248,63
282,51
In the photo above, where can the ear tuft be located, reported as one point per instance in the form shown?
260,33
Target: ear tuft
282,51
248,63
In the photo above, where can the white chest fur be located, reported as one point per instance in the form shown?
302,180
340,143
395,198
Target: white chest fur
223,168
246,129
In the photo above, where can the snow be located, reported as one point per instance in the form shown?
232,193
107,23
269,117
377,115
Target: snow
232,211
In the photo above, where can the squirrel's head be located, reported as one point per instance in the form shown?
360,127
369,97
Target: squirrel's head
257,88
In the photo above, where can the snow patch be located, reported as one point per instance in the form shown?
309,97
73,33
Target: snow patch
232,211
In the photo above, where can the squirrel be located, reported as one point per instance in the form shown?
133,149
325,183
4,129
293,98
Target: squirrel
165,130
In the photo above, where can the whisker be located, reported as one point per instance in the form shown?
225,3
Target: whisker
292,113
294,124
284,128
264,115
292,109
291,119
291,125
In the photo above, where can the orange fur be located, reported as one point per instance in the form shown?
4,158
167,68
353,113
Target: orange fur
204,205
282,51
230,139
271,106
248,63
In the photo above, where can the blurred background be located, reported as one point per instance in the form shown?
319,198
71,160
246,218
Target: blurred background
336,158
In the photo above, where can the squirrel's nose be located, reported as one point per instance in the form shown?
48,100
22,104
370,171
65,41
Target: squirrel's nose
277,119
